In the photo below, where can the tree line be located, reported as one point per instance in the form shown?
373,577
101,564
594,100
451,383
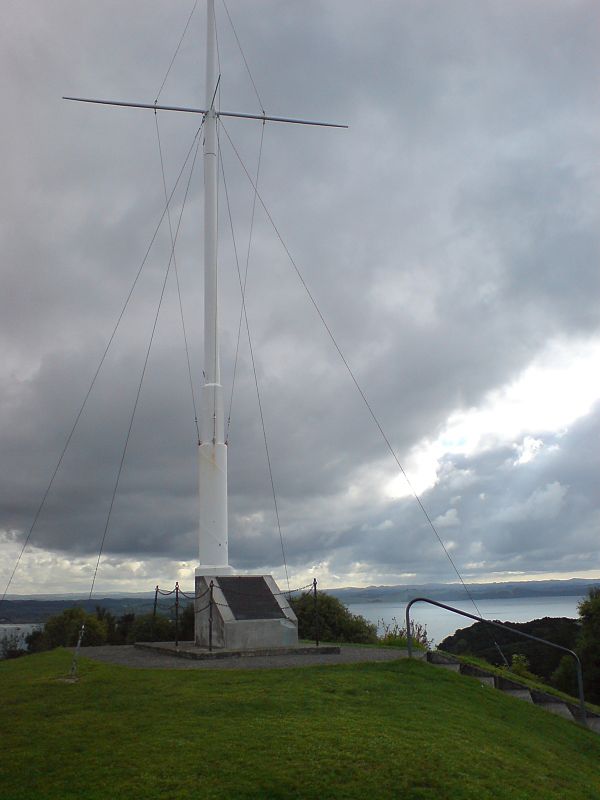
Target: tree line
328,617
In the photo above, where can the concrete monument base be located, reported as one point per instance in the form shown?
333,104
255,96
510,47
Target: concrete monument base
245,612
189,650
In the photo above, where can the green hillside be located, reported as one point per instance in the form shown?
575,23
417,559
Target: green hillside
389,730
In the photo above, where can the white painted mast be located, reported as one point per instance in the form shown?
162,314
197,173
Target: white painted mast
213,529
213,534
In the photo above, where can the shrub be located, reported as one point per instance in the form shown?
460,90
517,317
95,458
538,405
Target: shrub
186,623
587,648
62,630
123,628
112,634
11,646
564,676
148,628
520,666
394,634
336,622
36,642
588,645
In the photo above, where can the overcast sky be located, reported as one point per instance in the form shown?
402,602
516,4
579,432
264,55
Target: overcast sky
450,238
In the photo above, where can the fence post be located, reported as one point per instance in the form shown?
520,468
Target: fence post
176,614
154,612
316,611
210,618
408,631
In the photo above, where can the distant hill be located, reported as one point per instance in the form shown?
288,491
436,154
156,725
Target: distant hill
21,611
455,591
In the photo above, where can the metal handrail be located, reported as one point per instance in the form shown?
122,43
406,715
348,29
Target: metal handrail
506,628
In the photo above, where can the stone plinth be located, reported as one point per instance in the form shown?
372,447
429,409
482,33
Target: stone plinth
190,651
248,612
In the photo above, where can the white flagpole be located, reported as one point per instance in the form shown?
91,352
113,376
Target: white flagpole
213,550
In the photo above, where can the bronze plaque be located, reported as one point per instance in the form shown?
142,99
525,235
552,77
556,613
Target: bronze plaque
250,597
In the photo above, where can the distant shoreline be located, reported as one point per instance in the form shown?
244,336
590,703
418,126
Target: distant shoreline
456,591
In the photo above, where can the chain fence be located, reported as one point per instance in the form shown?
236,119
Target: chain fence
212,603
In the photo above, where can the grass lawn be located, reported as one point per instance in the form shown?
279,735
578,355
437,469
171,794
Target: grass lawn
389,730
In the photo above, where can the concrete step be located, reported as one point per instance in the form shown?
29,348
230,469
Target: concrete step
511,688
560,709
593,724
440,657
448,666
520,694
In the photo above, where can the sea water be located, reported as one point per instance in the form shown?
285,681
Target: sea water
441,623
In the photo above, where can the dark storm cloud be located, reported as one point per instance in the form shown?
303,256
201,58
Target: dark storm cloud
448,236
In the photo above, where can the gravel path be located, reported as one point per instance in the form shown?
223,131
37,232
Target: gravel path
130,656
